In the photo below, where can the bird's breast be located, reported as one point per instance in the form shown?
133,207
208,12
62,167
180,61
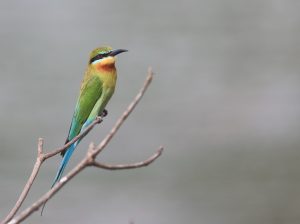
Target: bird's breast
108,76
105,69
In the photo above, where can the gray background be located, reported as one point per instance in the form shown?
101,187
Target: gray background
224,103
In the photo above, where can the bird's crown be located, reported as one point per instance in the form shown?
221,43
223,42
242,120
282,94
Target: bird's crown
104,50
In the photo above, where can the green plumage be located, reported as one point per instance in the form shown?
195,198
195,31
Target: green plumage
89,94
97,87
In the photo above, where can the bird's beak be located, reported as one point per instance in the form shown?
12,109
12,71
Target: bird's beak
118,51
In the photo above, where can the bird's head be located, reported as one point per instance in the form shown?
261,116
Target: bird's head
104,57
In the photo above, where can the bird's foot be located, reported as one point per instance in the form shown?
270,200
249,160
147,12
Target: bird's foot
104,113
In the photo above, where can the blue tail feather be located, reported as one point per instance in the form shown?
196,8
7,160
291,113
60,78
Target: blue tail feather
64,162
62,166
68,154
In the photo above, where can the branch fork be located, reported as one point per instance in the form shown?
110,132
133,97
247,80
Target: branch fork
89,160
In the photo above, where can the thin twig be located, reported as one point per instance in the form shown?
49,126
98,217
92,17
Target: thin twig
129,166
89,159
29,183
36,205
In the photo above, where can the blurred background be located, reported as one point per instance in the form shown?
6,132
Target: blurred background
224,103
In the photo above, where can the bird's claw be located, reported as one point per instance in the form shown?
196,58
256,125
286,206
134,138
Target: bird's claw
104,113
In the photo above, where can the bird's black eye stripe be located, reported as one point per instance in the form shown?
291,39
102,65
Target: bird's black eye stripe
98,56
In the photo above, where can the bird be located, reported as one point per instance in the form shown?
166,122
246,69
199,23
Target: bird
97,88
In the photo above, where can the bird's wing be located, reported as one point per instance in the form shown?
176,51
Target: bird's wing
90,92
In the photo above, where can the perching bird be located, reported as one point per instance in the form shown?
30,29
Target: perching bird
96,89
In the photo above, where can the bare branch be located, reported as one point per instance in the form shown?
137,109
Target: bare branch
36,205
132,165
88,160
29,183
40,147
41,157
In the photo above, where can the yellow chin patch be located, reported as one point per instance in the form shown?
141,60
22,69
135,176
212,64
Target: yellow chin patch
106,64
108,60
